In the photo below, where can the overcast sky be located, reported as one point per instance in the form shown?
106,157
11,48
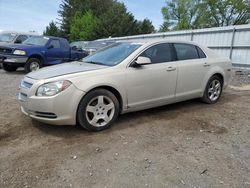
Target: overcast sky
34,15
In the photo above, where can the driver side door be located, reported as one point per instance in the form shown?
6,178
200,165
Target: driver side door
54,52
153,84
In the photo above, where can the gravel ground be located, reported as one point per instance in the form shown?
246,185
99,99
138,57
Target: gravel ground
189,144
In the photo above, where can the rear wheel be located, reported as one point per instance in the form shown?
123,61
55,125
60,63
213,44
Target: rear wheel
213,90
98,110
9,68
33,64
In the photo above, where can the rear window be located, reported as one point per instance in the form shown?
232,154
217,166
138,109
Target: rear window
201,53
186,51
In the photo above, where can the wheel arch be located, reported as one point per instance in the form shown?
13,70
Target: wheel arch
216,71
37,56
108,88
112,90
220,76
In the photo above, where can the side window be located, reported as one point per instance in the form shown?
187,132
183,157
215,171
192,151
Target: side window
201,53
186,51
55,43
21,38
64,44
159,53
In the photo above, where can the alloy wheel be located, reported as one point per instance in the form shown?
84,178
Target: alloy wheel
214,90
34,66
100,111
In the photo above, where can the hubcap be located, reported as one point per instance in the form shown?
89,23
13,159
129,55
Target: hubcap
34,66
100,111
214,90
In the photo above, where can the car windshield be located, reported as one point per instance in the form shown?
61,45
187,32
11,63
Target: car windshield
36,40
7,37
113,54
97,44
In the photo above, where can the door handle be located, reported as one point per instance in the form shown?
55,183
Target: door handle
206,65
171,69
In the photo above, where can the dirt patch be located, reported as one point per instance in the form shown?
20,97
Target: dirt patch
242,88
188,144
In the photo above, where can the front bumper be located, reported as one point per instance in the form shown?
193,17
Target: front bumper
60,109
13,59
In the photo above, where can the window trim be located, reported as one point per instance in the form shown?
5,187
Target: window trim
130,64
196,47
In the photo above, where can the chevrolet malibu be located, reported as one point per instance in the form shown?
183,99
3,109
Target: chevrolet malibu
121,78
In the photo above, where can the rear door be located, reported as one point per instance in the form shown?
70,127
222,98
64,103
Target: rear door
193,67
153,84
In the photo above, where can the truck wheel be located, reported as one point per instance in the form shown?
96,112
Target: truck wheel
9,68
33,64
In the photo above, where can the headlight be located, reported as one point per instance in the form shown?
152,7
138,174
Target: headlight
19,52
52,88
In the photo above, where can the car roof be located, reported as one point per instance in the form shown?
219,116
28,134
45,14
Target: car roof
20,33
51,37
154,41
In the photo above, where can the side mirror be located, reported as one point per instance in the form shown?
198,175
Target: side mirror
142,60
50,46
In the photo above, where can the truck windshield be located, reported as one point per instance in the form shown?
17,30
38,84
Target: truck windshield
36,40
113,54
7,37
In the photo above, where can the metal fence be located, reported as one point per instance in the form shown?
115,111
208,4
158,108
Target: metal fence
230,41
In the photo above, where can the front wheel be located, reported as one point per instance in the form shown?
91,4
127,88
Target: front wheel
98,110
213,90
9,68
33,64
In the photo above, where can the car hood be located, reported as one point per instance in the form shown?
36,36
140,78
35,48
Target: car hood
64,69
19,46
3,43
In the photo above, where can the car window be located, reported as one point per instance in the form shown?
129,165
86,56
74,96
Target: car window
186,51
36,40
55,43
159,53
201,53
113,54
7,37
21,38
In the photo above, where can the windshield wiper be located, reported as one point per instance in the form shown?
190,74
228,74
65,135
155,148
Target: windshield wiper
96,63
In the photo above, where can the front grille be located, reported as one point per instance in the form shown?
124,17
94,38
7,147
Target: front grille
26,85
5,50
45,115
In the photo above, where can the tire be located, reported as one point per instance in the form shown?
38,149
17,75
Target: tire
33,64
98,110
213,90
9,68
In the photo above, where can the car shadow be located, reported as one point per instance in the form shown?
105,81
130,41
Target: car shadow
170,111
19,71
133,119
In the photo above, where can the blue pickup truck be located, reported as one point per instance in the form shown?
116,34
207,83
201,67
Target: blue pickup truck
36,52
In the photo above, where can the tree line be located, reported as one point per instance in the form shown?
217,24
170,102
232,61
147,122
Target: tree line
93,19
